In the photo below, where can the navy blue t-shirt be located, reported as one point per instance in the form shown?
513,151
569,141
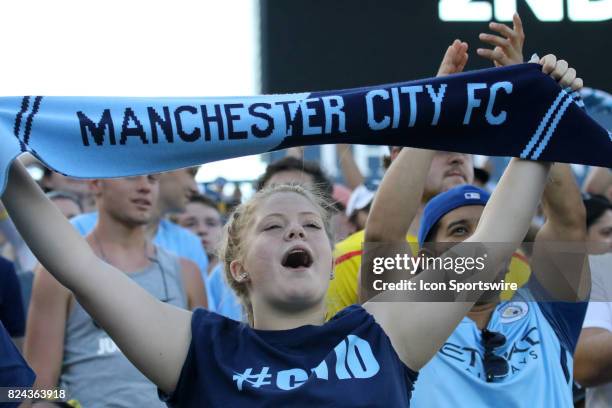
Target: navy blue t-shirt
14,371
347,362
11,305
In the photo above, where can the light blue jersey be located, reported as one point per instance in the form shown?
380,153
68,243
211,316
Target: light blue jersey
540,342
169,236
225,302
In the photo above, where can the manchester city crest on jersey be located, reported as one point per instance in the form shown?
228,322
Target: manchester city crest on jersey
513,311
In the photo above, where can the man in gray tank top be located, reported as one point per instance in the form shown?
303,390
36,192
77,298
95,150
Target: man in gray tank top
64,345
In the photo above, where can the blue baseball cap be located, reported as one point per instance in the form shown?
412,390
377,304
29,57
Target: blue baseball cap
446,202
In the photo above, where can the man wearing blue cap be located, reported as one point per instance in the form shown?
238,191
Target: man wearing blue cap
514,353
465,201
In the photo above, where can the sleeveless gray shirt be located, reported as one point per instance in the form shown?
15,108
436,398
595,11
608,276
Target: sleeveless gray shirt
94,371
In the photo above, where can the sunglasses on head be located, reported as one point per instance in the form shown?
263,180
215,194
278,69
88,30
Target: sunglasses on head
495,366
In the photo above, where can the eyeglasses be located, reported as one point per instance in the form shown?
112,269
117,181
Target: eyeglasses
495,366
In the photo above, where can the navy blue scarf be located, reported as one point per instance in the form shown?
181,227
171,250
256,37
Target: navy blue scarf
512,111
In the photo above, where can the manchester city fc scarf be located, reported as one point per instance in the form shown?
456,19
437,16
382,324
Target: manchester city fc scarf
512,111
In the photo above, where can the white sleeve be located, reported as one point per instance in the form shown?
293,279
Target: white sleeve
599,312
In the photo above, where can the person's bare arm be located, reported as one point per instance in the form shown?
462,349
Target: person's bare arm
563,207
389,222
46,324
593,357
559,252
350,171
558,270
599,181
194,286
155,336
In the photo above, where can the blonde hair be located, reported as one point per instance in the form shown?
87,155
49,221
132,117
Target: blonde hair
233,245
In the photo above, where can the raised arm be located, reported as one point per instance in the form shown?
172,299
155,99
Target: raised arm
155,336
405,178
559,251
599,181
404,181
350,171
395,206
562,202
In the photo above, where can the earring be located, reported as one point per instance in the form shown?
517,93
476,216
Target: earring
243,276
331,275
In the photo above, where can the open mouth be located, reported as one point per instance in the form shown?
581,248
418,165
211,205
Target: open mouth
297,258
